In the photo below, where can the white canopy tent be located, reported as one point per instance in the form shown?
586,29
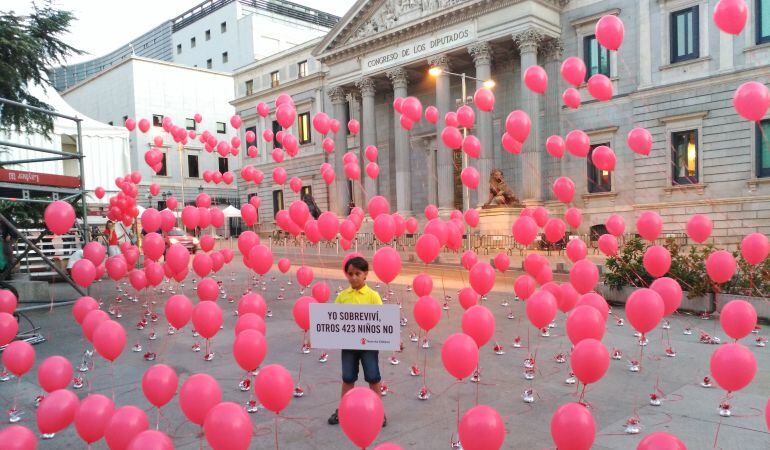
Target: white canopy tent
231,211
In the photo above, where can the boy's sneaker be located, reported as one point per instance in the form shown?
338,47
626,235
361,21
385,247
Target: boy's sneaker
334,419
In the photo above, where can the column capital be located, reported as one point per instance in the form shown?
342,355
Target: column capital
441,61
552,48
366,86
353,96
481,53
337,94
398,77
529,39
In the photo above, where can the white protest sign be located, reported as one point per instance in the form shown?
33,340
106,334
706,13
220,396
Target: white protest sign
355,327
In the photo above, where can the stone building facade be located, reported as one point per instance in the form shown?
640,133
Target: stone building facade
675,75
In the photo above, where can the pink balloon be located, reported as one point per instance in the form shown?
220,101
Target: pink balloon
427,312
452,137
470,177
589,360
644,309
250,321
460,355
567,298
411,225
670,292
198,395
151,220
600,87
159,384
384,228
576,250
481,428
252,303
536,79
92,416
484,99
733,366
8,301
615,224
518,125
412,108
301,312
755,248
468,298
471,217
478,322
472,146
554,230
59,217
261,259
378,205
525,230
482,278
94,252
578,143
151,440
83,272
524,286
649,225
730,15
361,416
190,217
431,114
574,217
250,347
54,373
422,284
321,292
57,410
178,311
720,266
573,70
657,260
661,441
202,265
603,158
751,101
386,264
639,140
279,175
153,246
274,387
573,427
208,290
502,262
584,276
92,320
427,248
207,319
554,145
608,244
541,308
285,115
109,339
227,426
571,98
18,357
585,322
699,228
466,116
510,144
305,276
372,170
126,422
17,437
609,32
738,318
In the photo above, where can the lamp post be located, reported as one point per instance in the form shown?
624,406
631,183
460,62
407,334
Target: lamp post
437,71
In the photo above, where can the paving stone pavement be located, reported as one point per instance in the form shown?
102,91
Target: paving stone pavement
687,410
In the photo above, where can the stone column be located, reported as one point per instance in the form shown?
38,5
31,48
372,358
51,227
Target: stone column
482,57
354,100
368,129
399,78
552,51
528,42
430,157
444,174
338,192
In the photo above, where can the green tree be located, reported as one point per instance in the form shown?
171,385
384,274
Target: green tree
29,45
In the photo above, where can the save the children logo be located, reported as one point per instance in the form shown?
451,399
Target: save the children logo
363,341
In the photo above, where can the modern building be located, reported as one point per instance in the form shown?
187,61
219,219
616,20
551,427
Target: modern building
297,73
143,88
215,34
675,75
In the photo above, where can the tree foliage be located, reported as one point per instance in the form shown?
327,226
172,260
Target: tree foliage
29,45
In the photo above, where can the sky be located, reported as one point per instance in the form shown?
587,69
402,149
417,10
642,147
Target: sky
104,25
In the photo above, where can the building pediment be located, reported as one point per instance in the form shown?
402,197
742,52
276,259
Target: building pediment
371,23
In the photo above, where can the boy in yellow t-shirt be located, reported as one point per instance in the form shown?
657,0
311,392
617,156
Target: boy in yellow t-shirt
356,270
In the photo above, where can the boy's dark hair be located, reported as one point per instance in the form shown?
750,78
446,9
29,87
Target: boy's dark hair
357,262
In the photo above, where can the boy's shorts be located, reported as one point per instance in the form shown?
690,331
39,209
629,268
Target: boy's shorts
369,359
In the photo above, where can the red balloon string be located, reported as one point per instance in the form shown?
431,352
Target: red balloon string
276,431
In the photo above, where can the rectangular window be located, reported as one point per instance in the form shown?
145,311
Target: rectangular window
178,48
192,42
277,201
163,171
596,57
157,120
303,128
598,180
192,166
249,87
276,129
274,79
208,64
763,149
246,144
190,124
223,27
763,21
221,128
306,190
302,69
161,205
684,157
208,35
224,57
684,34
223,166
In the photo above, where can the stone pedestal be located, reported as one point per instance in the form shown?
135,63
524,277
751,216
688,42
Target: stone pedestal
497,220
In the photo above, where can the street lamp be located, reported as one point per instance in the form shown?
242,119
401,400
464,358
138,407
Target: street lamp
437,71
